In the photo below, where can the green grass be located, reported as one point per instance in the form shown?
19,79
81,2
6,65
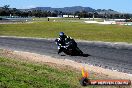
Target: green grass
92,32
18,74
15,73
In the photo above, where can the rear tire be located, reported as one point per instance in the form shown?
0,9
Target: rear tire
79,51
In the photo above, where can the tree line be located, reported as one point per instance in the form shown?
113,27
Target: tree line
6,11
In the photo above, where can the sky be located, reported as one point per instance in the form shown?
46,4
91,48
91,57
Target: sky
118,5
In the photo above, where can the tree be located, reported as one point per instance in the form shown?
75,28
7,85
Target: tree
6,7
15,12
5,11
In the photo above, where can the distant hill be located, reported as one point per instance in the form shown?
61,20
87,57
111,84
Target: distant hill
75,9
65,9
109,11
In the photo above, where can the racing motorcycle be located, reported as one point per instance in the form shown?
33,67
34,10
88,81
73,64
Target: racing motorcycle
71,48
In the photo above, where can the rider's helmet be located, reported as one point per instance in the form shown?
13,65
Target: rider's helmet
61,34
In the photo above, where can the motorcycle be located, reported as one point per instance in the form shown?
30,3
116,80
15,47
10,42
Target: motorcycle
71,48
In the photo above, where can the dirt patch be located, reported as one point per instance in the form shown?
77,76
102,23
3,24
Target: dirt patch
64,64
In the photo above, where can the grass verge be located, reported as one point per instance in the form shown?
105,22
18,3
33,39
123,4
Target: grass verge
92,32
18,74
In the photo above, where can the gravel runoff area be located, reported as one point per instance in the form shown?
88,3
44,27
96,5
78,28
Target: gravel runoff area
64,62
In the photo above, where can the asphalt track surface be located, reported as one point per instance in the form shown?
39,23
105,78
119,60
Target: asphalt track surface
106,57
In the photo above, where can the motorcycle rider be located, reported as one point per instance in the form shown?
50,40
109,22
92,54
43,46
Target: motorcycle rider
61,41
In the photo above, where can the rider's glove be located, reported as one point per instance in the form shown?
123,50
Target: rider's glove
64,46
58,47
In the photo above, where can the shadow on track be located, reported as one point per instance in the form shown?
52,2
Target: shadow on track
83,55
